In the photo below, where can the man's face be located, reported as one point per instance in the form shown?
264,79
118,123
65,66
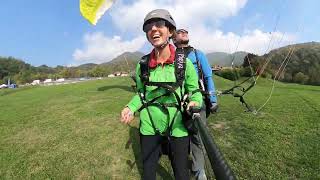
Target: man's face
182,36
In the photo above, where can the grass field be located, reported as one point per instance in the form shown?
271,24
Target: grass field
73,132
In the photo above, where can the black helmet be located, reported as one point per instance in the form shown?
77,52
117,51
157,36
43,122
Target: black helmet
160,14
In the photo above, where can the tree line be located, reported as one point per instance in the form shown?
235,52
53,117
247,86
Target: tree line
303,67
20,72
298,63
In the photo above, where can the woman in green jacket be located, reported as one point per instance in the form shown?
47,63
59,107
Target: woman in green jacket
161,122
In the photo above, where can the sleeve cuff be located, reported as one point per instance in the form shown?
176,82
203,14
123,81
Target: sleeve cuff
132,107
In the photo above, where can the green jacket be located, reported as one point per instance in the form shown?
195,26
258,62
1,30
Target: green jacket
164,73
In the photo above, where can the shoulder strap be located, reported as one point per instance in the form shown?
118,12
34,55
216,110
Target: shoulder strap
188,50
198,64
202,81
180,66
144,68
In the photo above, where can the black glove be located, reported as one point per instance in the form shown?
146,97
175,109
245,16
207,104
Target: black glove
189,121
214,107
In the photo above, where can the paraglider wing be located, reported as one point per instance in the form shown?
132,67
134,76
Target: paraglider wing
92,10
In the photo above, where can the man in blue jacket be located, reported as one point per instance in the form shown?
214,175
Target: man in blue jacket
203,68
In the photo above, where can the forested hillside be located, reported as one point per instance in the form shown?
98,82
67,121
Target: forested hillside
299,63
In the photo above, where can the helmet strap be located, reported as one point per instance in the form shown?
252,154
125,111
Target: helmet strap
164,44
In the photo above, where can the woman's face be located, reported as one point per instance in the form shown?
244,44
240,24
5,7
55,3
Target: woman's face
157,32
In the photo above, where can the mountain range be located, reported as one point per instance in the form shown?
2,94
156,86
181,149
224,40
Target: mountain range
215,58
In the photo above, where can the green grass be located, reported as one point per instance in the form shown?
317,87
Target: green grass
73,131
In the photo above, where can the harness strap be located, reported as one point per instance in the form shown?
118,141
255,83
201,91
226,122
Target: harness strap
142,98
195,91
171,87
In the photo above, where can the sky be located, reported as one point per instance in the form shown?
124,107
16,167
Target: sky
52,32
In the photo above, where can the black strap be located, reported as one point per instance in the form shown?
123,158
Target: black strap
188,50
195,91
203,86
143,101
180,66
144,68
153,101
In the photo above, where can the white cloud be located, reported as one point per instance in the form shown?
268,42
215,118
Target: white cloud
255,41
99,48
129,17
202,18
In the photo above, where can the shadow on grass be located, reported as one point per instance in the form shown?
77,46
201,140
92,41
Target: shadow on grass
106,88
134,141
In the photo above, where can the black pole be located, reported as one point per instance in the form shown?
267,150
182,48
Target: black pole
219,166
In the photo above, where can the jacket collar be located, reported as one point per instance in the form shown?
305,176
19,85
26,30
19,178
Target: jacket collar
153,62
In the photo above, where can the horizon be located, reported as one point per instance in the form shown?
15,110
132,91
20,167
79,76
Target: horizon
144,54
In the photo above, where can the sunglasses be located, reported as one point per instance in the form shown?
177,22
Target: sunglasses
182,31
159,23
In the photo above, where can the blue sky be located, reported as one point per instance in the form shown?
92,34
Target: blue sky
52,32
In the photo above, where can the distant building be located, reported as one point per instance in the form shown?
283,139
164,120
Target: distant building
35,82
121,74
3,86
117,74
60,80
216,68
228,68
47,81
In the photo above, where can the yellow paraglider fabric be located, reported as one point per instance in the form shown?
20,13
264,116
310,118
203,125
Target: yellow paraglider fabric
92,10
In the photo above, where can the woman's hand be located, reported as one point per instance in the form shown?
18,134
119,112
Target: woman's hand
126,116
192,104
